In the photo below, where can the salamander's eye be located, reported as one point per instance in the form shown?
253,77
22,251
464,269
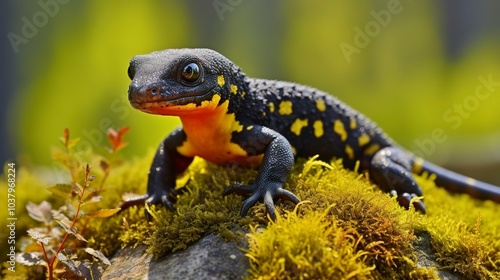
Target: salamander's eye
191,72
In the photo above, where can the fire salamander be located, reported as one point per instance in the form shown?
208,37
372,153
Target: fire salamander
229,118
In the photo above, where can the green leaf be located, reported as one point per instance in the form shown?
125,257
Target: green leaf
61,190
78,189
104,213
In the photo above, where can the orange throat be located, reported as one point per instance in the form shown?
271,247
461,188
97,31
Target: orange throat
209,134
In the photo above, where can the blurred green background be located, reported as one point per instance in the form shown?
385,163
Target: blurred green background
411,66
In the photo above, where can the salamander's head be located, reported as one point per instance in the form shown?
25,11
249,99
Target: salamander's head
181,81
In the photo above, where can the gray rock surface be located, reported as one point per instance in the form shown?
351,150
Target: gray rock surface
209,258
426,258
213,258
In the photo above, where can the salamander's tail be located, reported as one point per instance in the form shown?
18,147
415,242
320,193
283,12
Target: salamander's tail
458,183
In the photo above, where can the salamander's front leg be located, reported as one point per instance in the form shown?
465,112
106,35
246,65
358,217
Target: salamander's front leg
167,164
275,168
390,168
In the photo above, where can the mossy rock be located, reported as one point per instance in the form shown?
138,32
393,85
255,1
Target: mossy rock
344,228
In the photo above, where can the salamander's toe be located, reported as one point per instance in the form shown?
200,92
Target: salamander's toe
267,193
163,197
404,200
248,203
239,189
135,201
420,206
287,195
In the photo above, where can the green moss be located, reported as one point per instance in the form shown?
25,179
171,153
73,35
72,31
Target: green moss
344,228
309,246
465,233
129,177
372,235
201,209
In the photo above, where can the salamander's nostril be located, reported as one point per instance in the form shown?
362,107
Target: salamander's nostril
133,90
137,91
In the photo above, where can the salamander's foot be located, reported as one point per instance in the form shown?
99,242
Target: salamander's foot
391,169
166,198
404,200
267,194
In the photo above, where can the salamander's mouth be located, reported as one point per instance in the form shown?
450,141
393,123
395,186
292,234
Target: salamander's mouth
172,104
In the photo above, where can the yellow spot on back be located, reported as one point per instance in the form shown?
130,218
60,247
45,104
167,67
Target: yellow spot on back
471,181
320,105
243,94
349,151
297,126
339,128
353,124
285,108
373,148
318,128
233,89
417,165
220,80
271,107
363,139
249,127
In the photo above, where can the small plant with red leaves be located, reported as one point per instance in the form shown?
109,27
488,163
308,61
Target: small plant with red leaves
51,247
115,138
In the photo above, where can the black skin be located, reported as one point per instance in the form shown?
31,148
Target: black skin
301,122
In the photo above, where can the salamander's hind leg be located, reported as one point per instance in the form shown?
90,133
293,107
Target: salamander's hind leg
390,168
